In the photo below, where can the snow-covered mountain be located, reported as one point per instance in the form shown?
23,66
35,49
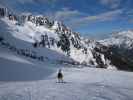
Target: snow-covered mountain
123,39
43,33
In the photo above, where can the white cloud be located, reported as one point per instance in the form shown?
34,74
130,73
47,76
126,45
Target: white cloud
130,12
25,1
130,21
66,14
111,3
107,16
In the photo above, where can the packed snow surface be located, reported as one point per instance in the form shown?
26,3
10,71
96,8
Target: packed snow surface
24,79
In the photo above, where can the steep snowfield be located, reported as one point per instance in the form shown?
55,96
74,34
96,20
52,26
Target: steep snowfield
29,31
23,40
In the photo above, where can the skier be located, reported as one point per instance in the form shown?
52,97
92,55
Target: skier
60,76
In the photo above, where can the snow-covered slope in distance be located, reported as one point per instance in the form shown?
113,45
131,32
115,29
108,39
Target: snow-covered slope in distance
124,38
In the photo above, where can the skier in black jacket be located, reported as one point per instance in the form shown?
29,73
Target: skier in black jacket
60,76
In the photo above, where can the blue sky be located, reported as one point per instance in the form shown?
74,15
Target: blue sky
92,18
